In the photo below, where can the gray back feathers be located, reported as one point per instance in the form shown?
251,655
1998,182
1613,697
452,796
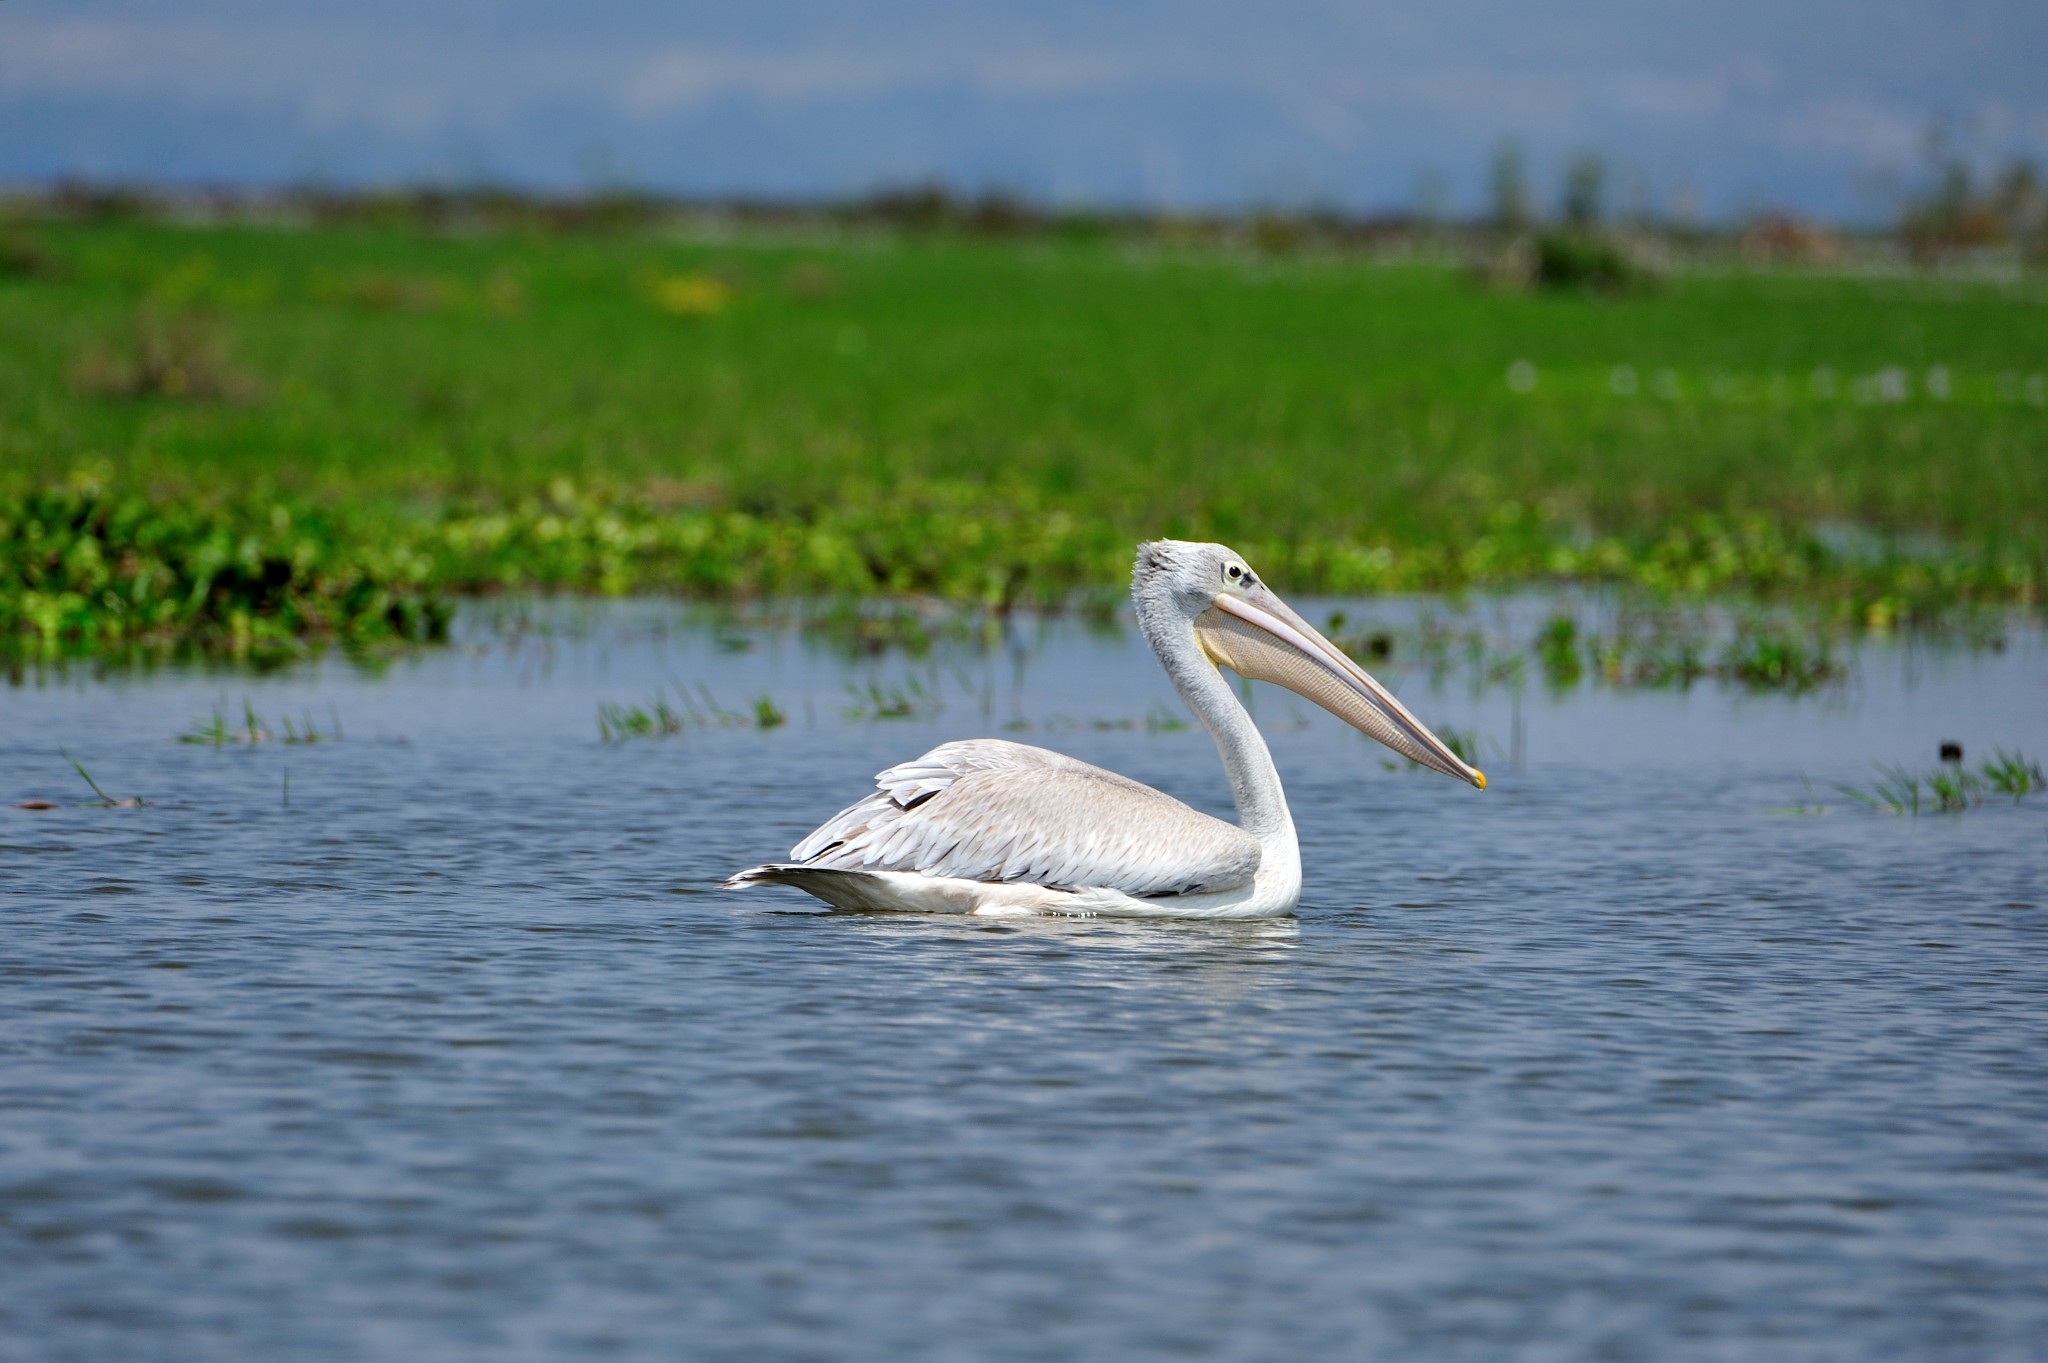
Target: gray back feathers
991,810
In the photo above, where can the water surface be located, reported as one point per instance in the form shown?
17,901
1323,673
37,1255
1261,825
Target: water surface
459,1053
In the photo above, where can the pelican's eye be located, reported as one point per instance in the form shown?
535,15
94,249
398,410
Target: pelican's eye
1235,572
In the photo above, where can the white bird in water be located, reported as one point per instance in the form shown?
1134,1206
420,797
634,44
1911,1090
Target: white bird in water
987,826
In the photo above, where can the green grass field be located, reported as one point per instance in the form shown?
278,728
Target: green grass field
996,419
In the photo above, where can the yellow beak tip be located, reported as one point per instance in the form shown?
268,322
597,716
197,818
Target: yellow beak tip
1479,778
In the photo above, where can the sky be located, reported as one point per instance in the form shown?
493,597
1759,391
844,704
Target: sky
1720,107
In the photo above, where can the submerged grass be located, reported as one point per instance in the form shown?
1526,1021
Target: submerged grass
105,800
102,800
1631,641
1653,648
240,438
215,731
2010,773
662,718
910,698
1764,658
1949,788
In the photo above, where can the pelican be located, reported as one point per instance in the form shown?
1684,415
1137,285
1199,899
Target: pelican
990,827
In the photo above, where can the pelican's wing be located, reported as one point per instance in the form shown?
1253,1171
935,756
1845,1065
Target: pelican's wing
987,809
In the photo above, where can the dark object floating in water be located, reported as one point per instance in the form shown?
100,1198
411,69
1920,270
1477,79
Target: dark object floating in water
1951,752
35,804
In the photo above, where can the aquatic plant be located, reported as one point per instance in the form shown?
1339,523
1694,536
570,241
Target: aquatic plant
1462,742
103,800
1949,788
216,732
1763,656
1659,660
1808,807
1557,649
616,721
84,568
866,627
907,699
1896,791
1652,645
1629,642
660,719
106,801
2010,773
1374,645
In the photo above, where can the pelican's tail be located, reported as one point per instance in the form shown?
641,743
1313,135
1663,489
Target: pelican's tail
869,890
899,891
770,873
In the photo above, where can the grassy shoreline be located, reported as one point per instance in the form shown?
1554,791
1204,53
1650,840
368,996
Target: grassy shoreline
85,568
232,437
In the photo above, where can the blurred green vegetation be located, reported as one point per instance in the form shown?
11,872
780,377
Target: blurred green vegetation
85,571
231,433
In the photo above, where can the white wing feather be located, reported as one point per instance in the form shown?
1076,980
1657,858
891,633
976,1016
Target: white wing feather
987,809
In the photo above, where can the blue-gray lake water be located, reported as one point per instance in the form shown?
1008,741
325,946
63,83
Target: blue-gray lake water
458,1053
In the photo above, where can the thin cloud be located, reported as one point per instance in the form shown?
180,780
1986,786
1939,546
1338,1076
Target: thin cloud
684,77
1203,102
1867,131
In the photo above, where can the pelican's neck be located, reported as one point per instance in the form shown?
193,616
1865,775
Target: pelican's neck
1261,805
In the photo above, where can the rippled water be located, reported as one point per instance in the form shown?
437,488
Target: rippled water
459,1054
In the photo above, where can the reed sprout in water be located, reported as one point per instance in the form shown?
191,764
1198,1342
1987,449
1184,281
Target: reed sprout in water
1672,648
662,718
616,722
1807,807
908,699
1634,645
1949,788
2010,773
252,730
104,800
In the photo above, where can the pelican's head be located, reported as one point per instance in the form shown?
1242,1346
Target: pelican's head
1239,623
